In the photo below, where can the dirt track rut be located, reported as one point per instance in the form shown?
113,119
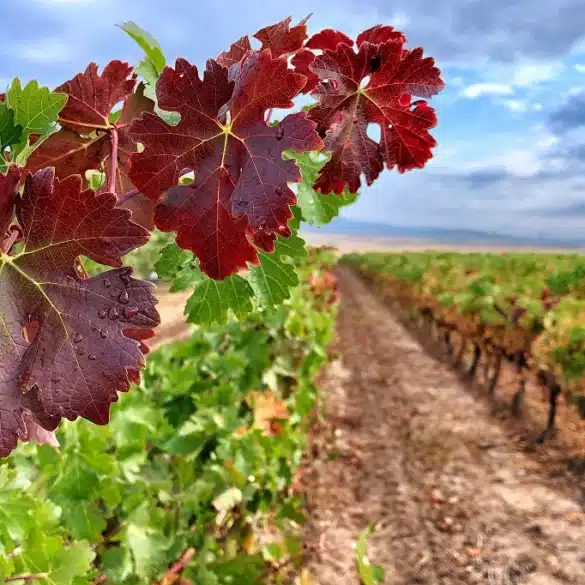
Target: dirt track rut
406,446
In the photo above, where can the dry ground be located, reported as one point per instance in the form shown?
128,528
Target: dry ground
406,445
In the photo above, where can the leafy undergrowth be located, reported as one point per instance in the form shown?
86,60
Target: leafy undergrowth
191,480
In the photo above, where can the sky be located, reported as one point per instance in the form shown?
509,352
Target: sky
511,133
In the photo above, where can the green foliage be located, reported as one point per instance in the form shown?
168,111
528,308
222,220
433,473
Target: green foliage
200,456
315,207
369,574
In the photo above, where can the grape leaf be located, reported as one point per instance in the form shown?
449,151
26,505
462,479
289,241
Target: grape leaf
60,563
317,208
88,335
155,59
345,109
212,300
10,132
35,108
86,137
235,53
240,192
281,39
8,196
275,276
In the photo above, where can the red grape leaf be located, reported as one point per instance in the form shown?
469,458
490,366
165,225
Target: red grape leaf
281,39
8,196
91,97
345,109
85,141
328,39
240,191
236,52
87,342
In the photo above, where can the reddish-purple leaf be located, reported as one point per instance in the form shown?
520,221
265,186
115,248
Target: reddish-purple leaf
91,97
345,109
281,39
8,195
328,39
85,141
236,52
240,191
87,341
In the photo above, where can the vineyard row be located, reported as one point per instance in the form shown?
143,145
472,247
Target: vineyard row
526,308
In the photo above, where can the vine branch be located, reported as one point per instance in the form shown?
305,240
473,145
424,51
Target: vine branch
113,161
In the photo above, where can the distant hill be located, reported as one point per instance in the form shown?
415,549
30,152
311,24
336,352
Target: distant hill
348,227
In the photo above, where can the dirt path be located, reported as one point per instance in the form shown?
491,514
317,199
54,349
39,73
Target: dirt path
173,326
409,448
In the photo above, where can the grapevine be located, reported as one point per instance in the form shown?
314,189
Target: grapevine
523,308
85,182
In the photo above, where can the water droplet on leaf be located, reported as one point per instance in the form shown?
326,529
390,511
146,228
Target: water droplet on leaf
91,357
125,277
113,313
279,132
123,297
102,313
130,312
77,338
107,283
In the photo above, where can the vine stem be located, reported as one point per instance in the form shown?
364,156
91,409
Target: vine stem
179,566
27,577
127,196
10,241
114,162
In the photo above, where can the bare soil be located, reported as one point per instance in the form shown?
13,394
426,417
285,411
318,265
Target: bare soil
346,244
173,326
406,445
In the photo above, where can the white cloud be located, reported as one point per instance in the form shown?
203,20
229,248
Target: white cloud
547,141
580,67
479,89
49,50
515,105
527,74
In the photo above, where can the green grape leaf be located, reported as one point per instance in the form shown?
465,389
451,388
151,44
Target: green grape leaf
273,279
10,132
178,267
35,108
149,550
84,520
61,564
212,299
315,207
154,55
117,564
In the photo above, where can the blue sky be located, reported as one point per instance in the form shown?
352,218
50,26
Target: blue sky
511,134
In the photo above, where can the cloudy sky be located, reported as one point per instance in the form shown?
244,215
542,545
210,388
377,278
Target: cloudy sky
511,134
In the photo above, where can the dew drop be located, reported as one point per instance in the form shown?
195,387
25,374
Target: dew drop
80,351
113,313
130,312
102,313
103,334
107,283
125,277
91,357
279,191
279,132
123,297
77,338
